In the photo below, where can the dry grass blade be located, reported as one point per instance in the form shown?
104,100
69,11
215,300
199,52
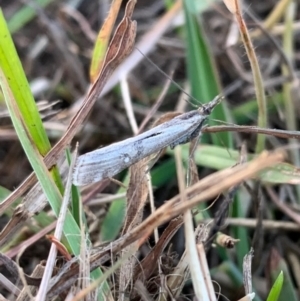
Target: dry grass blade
181,272
145,269
214,184
193,176
142,291
225,201
253,129
205,272
200,288
11,287
37,273
84,271
248,297
247,272
248,277
103,37
20,215
205,189
13,269
100,280
291,213
235,8
147,235
2,298
137,195
11,266
267,224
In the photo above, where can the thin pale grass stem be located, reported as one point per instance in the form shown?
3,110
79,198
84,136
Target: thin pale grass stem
104,276
290,87
151,201
196,272
107,199
248,297
41,295
205,272
22,275
30,241
133,123
5,283
276,14
128,104
276,30
267,224
295,266
273,42
84,266
257,77
142,291
252,129
282,206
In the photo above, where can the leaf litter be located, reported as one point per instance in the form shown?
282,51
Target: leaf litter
139,268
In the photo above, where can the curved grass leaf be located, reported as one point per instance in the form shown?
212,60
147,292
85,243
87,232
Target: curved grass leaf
17,81
201,68
276,288
54,197
218,158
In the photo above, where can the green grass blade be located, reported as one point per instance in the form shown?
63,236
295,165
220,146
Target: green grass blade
71,229
25,15
12,68
218,158
113,221
276,288
201,69
277,266
75,202
239,209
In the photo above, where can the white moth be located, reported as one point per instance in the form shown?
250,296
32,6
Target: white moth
109,161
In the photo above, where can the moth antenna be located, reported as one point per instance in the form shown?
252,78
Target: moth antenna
223,122
172,80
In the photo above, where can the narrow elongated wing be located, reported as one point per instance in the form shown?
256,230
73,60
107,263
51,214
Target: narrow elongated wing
109,161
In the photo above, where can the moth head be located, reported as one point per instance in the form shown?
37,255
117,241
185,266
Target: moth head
207,108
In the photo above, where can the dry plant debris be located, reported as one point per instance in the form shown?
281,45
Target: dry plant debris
178,224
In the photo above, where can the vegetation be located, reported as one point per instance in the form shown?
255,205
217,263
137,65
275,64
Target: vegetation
214,219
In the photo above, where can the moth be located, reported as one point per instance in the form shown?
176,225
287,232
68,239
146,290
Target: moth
110,160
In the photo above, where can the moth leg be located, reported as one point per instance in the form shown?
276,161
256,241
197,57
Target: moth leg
154,160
